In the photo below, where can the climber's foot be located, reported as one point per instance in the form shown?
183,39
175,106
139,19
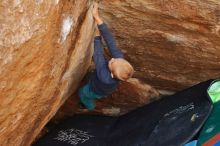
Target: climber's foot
82,106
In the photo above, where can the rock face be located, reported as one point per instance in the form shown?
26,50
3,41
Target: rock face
172,44
45,50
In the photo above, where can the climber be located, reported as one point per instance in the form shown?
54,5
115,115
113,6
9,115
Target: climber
107,75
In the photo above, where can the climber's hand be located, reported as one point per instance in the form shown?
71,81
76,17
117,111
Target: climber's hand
95,13
95,10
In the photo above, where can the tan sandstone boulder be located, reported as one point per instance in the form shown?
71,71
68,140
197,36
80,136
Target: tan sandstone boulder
45,50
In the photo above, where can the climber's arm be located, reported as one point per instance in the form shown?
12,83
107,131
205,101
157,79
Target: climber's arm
110,41
107,35
100,62
98,55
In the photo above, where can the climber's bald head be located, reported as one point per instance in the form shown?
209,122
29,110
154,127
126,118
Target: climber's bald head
120,68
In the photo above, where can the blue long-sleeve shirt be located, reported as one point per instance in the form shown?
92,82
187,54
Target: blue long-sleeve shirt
101,81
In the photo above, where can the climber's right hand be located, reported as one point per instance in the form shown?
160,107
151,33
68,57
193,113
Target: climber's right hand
95,13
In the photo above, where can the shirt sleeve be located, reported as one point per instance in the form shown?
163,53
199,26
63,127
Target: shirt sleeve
98,55
101,64
110,41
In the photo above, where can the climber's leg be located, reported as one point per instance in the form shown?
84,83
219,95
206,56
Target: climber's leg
88,97
87,101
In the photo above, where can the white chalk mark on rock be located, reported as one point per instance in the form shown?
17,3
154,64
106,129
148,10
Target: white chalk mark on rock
176,38
66,28
113,111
